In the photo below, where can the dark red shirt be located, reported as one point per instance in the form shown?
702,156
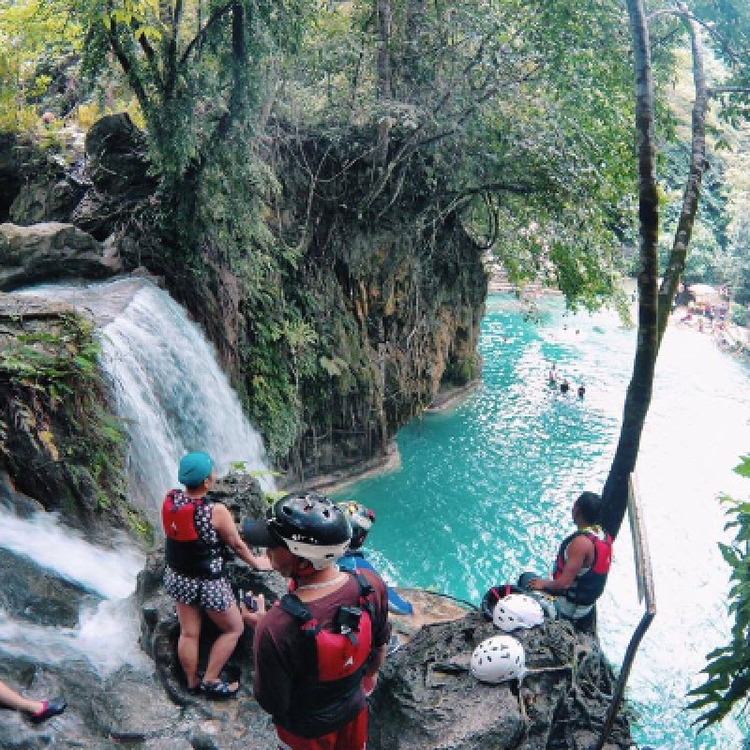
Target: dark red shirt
281,685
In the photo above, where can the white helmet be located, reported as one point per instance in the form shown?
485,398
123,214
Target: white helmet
517,611
498,659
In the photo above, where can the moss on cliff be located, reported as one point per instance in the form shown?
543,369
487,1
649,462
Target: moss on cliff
58,442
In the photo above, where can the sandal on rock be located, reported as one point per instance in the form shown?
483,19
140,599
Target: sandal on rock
218,690
52,707
195,690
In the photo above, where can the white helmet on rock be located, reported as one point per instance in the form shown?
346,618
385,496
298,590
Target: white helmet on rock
499,659
517,611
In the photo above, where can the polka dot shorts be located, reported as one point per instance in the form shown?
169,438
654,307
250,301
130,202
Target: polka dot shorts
209,593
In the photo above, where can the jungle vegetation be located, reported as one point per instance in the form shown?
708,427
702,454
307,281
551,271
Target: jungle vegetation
518,116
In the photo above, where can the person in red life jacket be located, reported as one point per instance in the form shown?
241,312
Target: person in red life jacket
582,563
198,533
318,650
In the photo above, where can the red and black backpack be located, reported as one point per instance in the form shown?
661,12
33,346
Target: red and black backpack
340,649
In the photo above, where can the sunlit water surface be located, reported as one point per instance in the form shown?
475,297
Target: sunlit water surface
484,490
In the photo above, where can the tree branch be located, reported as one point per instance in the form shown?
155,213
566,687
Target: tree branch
214,18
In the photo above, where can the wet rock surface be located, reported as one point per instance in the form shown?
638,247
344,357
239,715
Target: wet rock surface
425,699
51,251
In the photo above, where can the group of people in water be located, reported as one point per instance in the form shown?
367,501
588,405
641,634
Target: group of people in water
555,381
317,650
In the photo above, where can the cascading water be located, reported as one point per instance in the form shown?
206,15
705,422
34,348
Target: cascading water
107,632
172,397
167,385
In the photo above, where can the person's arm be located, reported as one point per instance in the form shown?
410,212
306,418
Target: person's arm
225,527
381,633
272,681
377,657
370,677
578,550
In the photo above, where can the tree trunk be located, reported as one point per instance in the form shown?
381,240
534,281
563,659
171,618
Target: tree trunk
638,398
385,22
653,309
691,196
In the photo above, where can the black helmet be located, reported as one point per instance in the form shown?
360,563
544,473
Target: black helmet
361,519
311,526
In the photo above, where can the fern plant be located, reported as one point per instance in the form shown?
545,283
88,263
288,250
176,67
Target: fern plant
728,668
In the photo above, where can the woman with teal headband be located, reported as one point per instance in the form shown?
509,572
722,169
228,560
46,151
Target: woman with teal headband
197,533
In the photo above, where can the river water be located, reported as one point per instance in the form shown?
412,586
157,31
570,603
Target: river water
484,490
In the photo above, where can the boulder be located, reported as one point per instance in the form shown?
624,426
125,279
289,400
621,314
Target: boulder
117,157
51,251
39,596
427,698
50,195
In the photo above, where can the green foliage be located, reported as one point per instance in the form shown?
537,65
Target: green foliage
728,668
51,373
37,40
41,359
199,71
516,116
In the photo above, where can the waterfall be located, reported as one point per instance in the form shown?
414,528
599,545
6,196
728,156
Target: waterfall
167,386
172,396
107,631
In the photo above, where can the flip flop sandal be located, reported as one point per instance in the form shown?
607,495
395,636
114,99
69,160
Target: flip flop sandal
218,690
52,707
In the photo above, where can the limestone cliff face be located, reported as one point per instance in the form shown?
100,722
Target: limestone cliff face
393,299
402,289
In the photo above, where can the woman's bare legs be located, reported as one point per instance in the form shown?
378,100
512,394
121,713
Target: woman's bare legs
11,699
231,625
189,616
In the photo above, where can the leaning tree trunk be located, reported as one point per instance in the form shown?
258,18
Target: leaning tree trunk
691,196
638,398
653,310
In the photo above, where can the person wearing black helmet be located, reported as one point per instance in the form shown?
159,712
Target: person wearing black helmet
362,519
318,650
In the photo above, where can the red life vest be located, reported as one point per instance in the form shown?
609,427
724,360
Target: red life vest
587,587
186,552
339,650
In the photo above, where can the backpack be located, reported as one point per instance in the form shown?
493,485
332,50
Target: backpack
339,650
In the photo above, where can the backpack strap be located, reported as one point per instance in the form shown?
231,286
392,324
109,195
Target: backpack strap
365,590
292,604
